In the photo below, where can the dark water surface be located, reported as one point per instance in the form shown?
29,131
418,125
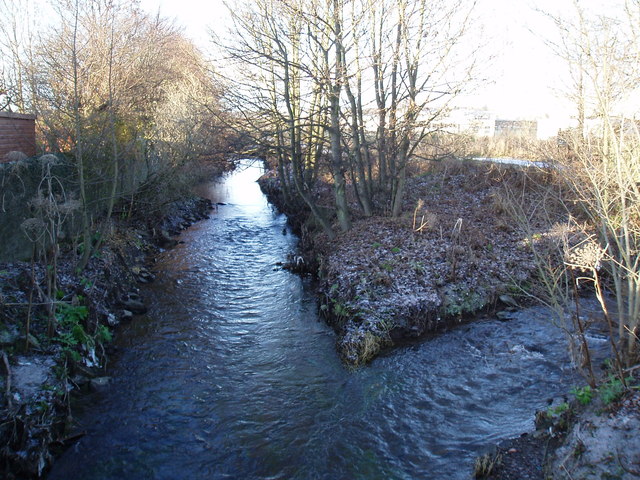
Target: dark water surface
232,375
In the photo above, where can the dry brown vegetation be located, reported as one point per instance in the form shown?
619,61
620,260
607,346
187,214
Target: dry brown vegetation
445,145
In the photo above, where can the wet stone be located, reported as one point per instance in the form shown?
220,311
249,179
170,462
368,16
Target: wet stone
134,306
80,380
99,384
165,240
508,300
112,321
504,315
144,276
33,341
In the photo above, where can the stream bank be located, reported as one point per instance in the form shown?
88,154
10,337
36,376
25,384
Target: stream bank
41,372
588,438
455,252
230,374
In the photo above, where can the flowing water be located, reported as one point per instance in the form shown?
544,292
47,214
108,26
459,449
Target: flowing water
232,375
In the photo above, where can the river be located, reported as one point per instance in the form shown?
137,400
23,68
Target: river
232,375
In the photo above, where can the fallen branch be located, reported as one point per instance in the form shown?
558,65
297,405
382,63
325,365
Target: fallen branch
631,369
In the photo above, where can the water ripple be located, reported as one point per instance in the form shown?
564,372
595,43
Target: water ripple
232,376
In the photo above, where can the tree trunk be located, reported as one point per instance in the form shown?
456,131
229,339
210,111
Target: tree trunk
398,194
79,151
337,164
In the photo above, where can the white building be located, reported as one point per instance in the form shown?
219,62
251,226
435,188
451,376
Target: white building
480,123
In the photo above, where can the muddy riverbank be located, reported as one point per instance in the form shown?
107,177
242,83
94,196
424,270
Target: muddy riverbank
575,438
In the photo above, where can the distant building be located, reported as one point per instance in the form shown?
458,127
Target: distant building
517,128
482,122
479,123
17,134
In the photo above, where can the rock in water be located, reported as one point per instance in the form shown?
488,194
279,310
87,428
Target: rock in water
99,384
134,306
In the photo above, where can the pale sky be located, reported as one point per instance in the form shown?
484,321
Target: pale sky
524,73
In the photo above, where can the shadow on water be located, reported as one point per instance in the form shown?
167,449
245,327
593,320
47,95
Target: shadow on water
232,375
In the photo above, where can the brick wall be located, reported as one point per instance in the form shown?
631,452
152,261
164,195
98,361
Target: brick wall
17,133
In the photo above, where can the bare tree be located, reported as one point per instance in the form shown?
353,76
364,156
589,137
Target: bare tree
334,68
276,90
602,172
124,94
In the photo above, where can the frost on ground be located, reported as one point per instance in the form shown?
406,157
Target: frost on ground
602,444
455,251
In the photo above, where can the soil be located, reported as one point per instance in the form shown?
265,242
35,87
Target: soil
521,458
